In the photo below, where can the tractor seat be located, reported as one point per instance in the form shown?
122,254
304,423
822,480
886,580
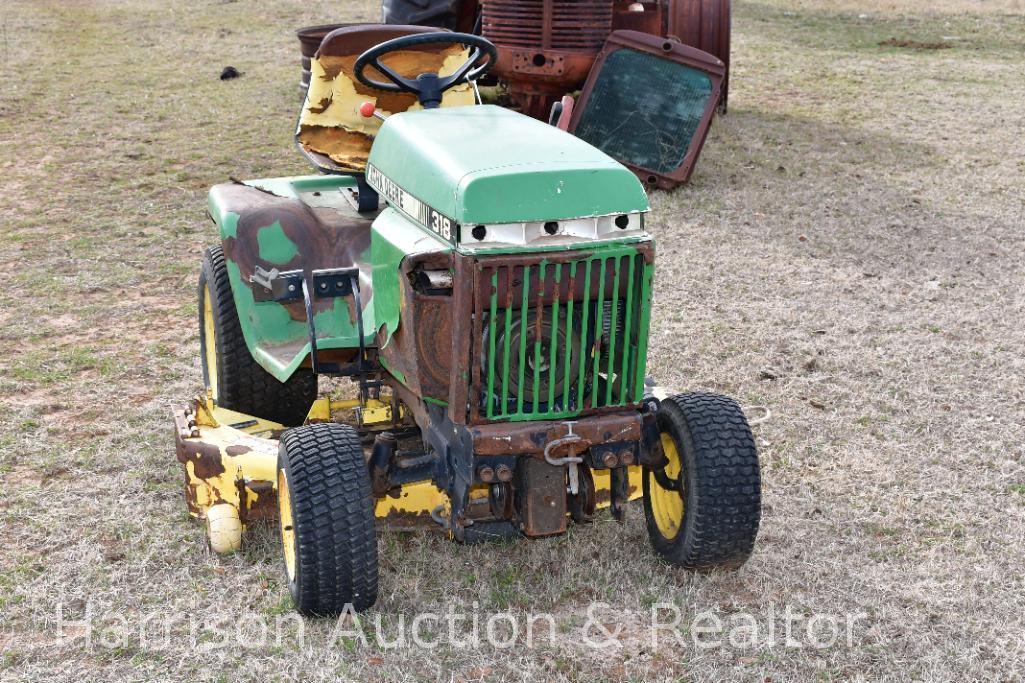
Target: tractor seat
331,134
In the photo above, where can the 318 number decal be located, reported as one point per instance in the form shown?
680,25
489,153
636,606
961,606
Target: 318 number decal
441,224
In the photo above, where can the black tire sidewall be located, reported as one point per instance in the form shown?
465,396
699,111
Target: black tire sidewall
243,384
208,280
722,483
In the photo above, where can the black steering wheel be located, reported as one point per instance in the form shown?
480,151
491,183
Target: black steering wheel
427,87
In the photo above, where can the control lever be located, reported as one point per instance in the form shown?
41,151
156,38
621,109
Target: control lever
368,109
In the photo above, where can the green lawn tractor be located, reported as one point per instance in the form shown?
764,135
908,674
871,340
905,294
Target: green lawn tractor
485,280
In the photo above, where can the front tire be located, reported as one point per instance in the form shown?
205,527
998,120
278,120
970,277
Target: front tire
703,509
327,520
238,382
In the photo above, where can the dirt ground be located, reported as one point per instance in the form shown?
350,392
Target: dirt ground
848,254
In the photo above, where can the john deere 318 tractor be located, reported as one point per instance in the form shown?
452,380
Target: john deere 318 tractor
484,279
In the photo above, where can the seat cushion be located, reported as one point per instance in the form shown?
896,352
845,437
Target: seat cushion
331,132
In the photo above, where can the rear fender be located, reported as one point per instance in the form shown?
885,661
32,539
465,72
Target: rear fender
288,224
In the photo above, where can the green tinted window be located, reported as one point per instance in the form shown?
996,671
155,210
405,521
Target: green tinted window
644,110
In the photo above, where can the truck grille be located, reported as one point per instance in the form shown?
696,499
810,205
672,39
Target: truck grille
563,335
564,25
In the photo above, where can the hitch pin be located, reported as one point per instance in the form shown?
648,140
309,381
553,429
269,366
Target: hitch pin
570,460
574,473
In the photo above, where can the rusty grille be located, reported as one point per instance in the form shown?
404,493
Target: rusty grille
559,338
571,25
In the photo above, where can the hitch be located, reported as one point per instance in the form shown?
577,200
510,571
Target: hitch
572,459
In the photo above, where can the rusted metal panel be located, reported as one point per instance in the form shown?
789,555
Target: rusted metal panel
425,328
541,491
224,465
320,236
462,326
532,437
470,269
511,283
545,47
310,38
562,256
704,24
647,17
504,275
681,153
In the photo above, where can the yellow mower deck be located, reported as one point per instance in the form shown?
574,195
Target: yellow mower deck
230,462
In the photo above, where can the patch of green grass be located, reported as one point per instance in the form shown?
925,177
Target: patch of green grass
36,367
284,605
505,592
882,530
11,658
120,652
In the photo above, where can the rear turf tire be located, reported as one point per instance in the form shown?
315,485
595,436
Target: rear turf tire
710,520
237,380
327,520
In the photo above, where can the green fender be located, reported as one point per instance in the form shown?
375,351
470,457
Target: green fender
290,224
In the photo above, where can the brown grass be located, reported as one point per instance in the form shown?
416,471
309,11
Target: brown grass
856,226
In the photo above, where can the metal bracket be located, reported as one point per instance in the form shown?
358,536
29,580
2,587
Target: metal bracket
619,492
331,283
335,282
275,285
293,285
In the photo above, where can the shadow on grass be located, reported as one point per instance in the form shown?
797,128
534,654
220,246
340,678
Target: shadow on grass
425,567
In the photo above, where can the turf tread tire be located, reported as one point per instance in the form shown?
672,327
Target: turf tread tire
242,384
333,518
719,462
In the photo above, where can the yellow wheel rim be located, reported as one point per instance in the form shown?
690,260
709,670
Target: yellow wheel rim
667,505
209,341
287,525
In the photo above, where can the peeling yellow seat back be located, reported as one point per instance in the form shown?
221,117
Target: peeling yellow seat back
331,130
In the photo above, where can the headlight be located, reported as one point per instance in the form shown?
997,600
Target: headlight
552,232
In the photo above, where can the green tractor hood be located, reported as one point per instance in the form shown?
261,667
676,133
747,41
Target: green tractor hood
485,164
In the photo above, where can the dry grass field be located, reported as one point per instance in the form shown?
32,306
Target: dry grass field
849,254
